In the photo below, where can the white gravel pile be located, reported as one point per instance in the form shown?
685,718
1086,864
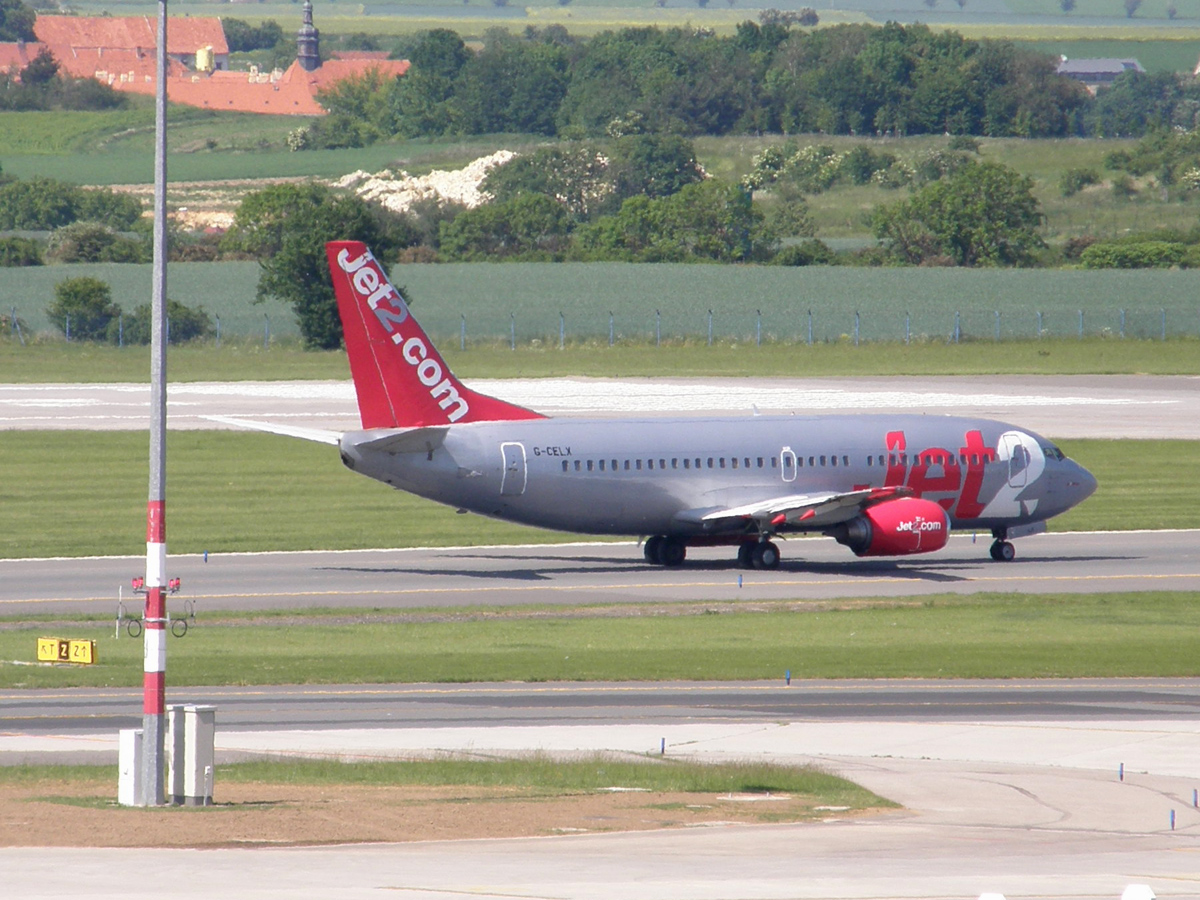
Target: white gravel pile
399,192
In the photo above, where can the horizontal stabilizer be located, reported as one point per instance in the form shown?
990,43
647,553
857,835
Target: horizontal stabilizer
318,435
393,440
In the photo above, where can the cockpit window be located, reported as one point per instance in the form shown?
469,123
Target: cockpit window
1053,452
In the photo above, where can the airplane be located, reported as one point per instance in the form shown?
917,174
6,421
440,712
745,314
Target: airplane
882,485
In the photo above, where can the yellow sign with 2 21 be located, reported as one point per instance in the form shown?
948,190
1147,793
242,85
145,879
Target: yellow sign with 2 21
80,652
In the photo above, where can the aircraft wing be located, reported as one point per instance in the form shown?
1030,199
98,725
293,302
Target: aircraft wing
816,510
401,440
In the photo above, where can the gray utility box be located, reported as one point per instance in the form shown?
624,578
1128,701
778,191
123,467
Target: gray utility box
129,767
191,731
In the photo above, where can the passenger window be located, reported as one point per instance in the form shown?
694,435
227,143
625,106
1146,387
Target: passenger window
822,460
734,462
662,463
590,465
564,465
722,462
710,462
614,465
833,460
601,465
577,465
650,464
638,464
760,462
687,463
674,464
774,463
626,465
747,462
845,460
697,462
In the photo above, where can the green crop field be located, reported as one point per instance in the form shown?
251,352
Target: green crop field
673,300
247,491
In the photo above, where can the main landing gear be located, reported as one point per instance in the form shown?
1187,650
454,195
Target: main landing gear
758,555
661,550
1002,548
665,550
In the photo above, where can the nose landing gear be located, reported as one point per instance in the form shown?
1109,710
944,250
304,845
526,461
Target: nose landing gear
1002,549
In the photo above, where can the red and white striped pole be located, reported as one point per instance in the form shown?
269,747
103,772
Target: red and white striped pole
154,649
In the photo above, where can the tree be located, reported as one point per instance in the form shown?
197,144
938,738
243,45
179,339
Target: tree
286,227
983,215
41,69
529,226
16,21
83,307
1066,6
710,220
43,204
1131,7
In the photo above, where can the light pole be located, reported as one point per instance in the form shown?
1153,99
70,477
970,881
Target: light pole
154,650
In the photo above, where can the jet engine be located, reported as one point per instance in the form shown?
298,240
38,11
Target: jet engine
895,528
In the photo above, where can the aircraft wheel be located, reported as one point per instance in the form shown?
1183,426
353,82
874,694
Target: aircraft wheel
745,557
652,549
1003,551
672,552
766,556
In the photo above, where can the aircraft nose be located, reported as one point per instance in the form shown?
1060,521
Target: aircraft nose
1080,483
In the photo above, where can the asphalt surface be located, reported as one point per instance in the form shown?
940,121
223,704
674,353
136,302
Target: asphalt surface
88,713
1107,406
598,573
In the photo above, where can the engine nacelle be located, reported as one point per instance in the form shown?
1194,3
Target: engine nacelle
896,528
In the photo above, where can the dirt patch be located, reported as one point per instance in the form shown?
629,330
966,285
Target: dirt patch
85,814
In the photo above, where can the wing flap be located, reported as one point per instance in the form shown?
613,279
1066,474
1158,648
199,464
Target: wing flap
807,511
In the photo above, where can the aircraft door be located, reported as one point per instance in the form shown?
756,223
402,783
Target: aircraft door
515,476
1013,449
787,464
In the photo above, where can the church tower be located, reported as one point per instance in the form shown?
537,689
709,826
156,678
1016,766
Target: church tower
308,42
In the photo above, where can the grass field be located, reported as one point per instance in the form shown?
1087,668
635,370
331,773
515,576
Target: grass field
948,636
238,492
536,775
247,360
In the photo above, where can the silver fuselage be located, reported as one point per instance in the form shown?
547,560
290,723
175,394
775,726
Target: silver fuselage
650,476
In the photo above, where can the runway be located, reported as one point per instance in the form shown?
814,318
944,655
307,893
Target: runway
1103,406
604,573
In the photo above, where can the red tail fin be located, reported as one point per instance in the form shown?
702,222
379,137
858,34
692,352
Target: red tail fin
400,378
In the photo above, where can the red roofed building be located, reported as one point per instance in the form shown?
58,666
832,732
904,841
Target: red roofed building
120,52
17,55
76,41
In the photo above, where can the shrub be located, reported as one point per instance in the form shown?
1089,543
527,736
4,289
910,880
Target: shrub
1075,180
89,242
83,307
808,253
184,323
19,251
1133,255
